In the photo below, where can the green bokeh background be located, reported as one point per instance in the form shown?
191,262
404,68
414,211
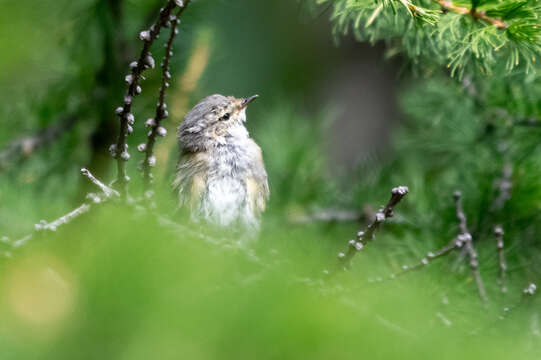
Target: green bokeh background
117,285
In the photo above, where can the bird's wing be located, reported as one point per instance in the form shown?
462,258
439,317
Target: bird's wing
190,179
257,185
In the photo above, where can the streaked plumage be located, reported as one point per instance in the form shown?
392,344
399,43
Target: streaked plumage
220,176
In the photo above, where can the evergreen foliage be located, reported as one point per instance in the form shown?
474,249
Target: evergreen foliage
481,36
472,116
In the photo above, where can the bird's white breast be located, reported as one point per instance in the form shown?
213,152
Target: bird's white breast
226,201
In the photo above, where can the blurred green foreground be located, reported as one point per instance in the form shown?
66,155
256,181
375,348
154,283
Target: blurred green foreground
117,287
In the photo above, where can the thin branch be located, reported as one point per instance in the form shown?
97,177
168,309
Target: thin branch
106,189
461,216
528,122
508,311
444,319
454,244
161,109
43,225
64,219
534,324
498,232
25,146
145,61
185,230
473,12
527,293
363,237
331,215
53,225
466,237
530,290
504,185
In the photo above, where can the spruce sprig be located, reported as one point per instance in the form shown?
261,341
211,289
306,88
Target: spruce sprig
466,37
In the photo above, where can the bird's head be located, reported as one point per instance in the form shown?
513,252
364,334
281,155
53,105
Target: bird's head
212,121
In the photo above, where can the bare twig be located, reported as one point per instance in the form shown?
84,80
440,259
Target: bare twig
185,230
473,12
528,122
145,61
106,189
363,237
508,311
444,319
454,244
64,219
498,231
504,186
25,146
530,290
461,216
466,237
53,225
330,215
534,324
527,293
161,109
43,225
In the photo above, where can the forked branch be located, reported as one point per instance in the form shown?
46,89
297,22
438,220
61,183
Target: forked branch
154,124
145,61
468,245
93,199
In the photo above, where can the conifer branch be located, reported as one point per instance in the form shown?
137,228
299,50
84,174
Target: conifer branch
473,12
161,109
466,237
498,232
145,61
363,237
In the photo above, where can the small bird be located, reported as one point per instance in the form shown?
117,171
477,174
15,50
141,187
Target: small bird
221,176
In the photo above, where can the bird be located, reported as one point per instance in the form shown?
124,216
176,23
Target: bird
220,176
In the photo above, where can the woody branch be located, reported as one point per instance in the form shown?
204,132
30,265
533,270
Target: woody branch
454,244
466,237
363,237
145,61
498,232
106,193
161,108
473,12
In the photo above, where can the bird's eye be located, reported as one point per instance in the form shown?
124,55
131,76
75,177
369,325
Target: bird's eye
226,116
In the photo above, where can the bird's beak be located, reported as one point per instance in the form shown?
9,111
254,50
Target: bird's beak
246,101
